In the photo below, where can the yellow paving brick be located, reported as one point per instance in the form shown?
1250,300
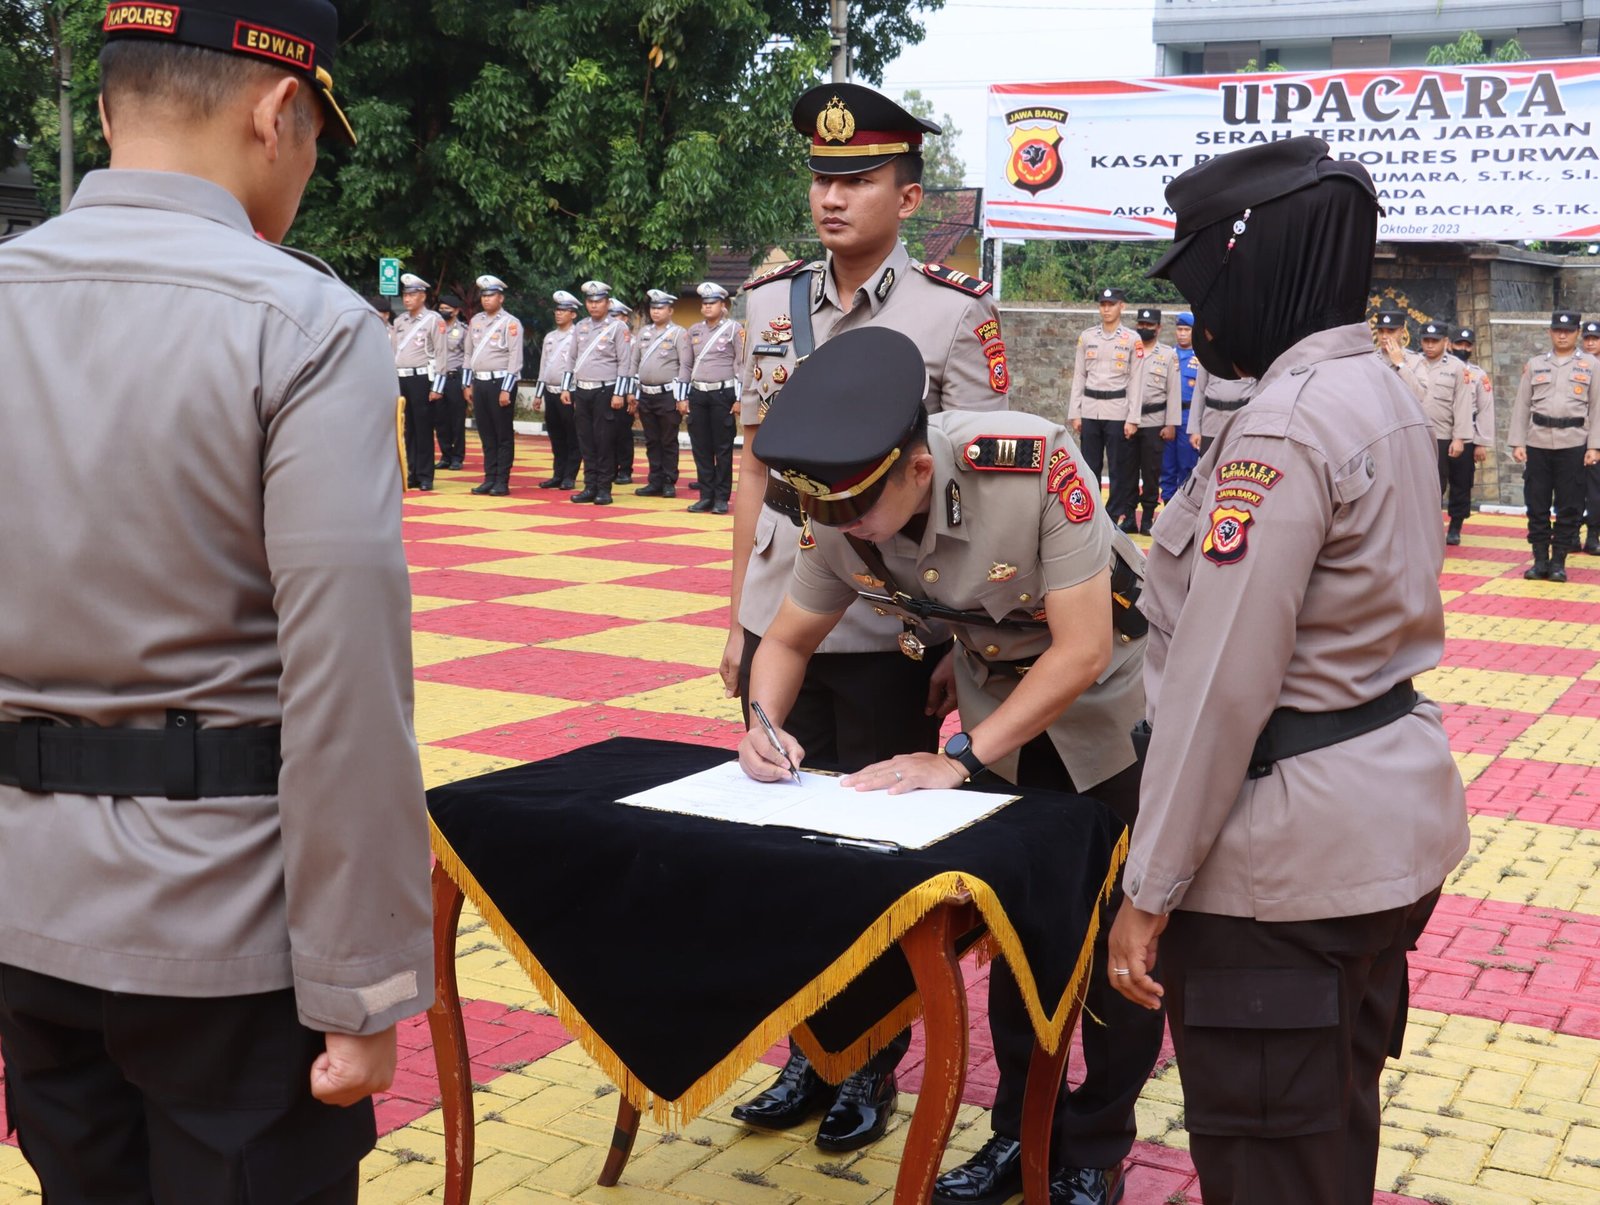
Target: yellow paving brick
687,643
1551,1191
444,711
1493,688
844,1186
406,1182
1425,1093
1516,587
625,602
1529,1154
1471,765
696,539
681,519
528,1194
490,519
693,696
1453,1192
1572,739
1517,862
529,543
1507,630
726,1190
1473,567
430,648
567,568
440,766
1455,1159
423,602
1392,1166
1449,595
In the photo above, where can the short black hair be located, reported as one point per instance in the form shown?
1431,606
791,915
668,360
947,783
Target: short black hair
916,439
194,81
908,169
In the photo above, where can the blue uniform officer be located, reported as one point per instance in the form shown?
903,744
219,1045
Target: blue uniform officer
1180,456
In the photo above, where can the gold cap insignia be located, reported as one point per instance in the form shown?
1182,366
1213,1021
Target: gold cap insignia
836,123
806,485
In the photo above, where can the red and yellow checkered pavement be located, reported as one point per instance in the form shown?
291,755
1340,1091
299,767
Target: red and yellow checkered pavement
542,626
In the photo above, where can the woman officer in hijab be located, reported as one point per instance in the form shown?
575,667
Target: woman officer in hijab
1300,808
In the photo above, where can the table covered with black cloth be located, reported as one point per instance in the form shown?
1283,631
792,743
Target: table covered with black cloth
677,949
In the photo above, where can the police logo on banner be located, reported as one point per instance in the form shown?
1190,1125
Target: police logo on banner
1035,162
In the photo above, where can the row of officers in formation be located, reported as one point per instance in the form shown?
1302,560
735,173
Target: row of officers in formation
1151,410
596,374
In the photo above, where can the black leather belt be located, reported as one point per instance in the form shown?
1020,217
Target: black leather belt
1153,408
181,761
1543,420
1105,395
1226,406
1289,733
784,499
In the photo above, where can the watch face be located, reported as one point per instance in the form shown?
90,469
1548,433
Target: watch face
957,745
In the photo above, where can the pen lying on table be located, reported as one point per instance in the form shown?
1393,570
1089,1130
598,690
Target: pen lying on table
876,847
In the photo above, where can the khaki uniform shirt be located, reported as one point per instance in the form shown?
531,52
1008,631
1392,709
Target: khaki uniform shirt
959,337
1441,386
715,352
418,340
1482,405
1206,421
1298,567
661,356
455,346
1563,389
257,580
597,351
1160,386
1006,542
1106,363
494,345
552,359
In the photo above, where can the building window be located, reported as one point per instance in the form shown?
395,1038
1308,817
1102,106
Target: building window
1360,52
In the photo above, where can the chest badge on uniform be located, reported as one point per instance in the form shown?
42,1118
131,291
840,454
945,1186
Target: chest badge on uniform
911,646
780,374
1002,572
755,373
1228,540
780,330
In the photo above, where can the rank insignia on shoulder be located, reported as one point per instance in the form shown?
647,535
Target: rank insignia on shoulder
885,283
787,270
971,285
1004,453
807,540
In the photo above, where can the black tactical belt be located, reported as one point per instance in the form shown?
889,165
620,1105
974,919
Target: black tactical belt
1153,408
1289,733
1543,420
181,761
784,498
1105,395
1227,406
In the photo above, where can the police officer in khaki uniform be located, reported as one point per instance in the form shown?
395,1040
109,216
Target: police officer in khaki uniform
417,337
558,421
1154,411
1300,806
863,699
451,428
1555,431
213,839
1482,388
1591,473
1103,379
660,368
1216,400
716,349
629,388
590,378
494,361
1440,383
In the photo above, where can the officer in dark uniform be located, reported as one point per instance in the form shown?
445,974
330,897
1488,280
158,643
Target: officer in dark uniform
1179,459
450,426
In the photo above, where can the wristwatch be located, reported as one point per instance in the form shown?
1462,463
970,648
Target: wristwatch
959,749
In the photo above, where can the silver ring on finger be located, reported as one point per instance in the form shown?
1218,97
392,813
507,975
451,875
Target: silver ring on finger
1121,971
898,776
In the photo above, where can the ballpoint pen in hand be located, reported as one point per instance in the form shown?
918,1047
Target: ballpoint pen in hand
772,735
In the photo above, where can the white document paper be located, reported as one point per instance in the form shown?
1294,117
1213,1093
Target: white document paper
819,804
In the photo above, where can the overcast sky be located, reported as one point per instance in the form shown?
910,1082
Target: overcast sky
971,44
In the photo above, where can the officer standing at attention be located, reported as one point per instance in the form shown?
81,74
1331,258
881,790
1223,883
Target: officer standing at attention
558,421
1300,807
1154,411
1441,385
1103,371
1555,431
595,357
1591,473
864,699
1178,461
213,840
661,364
624,426
494,361
1482,389
451,429
1216,400
417,337
716,349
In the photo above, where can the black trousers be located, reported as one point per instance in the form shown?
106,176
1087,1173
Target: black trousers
1205,443
495,431
1094,1123
855,709
597,436
122,1099
1455,475
622,435
450,421
1281,1032
711,431
1109,454
1553,477
658,415
562,428
1145,477
1591,487
418,431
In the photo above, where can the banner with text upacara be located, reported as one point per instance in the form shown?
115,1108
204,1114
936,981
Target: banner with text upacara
1488,151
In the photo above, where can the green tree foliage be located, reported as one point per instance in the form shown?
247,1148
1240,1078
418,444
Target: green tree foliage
1468,48
1074,271
941,166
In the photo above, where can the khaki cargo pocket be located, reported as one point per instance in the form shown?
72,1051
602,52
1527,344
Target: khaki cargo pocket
1261,1052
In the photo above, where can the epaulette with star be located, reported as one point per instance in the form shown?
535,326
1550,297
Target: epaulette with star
971,285
788,269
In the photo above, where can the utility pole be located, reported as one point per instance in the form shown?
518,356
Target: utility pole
839,29
63,74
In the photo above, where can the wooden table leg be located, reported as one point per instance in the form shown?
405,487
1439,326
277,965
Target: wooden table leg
622,1137
1039,1107
930,949
449,1031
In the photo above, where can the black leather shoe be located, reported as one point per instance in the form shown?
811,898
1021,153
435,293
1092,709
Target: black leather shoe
719,508
1558,568
587,494
1592,546
1453,536
569,484
796,1095
700,507
457,466
484,488
647,491
1128,525
988,1178
1539,570
860,1113
603,498
441,464
625,479
426,489
1086,1186
668,492
499,491
555,483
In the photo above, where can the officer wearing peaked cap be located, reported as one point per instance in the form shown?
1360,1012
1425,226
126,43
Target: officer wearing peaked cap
1462,341
716,348
1155,409
864,700
660,370
451,428
1441,385
494,362
1104,372
213,836
559,423
417,336
592,384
